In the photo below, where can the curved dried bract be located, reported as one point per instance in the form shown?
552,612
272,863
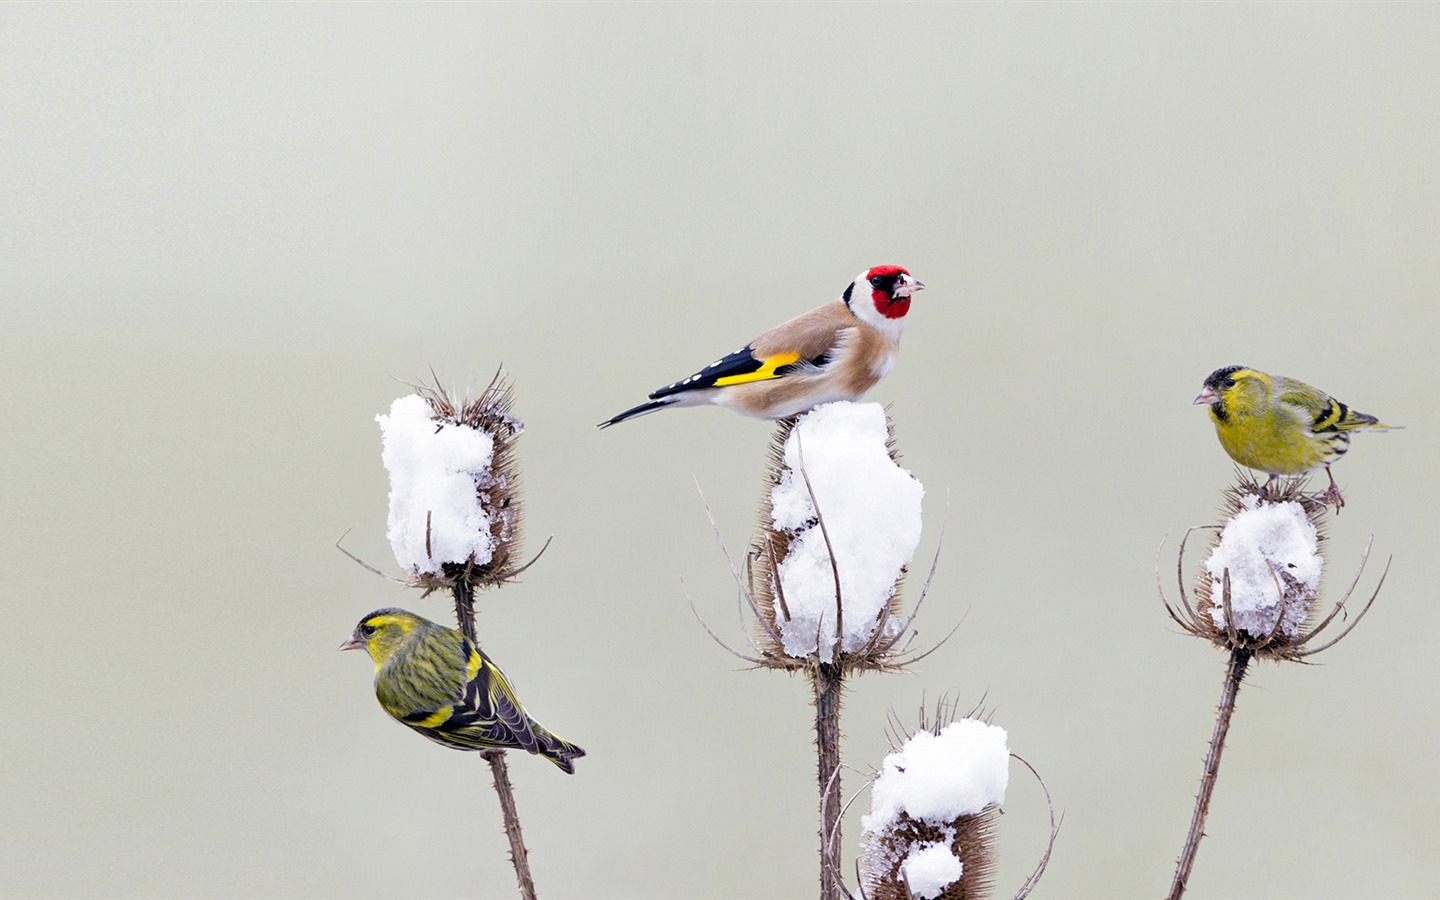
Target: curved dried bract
1035,876
364,565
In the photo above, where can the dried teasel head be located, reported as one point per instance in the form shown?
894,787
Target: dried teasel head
455,499
1259,589
839,521
930,831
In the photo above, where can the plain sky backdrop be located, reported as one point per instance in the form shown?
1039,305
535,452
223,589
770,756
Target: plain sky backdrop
230,233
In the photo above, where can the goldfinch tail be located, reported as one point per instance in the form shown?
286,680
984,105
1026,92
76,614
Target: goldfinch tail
640,410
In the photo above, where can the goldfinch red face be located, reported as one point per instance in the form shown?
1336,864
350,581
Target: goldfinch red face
880,296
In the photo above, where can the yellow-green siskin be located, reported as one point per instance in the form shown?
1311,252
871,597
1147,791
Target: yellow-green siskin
432,679
1279,425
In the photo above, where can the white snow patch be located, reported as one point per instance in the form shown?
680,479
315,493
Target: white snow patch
872,513
930,869
1258,544
435,471
939,778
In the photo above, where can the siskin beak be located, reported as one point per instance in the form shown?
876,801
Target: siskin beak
354,643
1207,396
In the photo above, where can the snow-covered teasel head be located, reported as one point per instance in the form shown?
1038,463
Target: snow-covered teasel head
1264,570
1259,588
455,503
930,829
839,524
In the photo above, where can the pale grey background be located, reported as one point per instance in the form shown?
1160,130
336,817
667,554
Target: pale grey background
228,229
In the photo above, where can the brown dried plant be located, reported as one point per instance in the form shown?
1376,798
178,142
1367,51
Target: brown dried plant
500,493
761,593
1199,618
1296,642
971,838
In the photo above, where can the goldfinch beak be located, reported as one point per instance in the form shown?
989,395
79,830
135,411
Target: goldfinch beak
908,286
1207,396
354,643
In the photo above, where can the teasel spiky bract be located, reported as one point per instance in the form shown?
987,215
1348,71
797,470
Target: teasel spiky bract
1293,635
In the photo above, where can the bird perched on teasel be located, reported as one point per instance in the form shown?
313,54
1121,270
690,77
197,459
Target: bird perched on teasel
834,352
1279,425
429,677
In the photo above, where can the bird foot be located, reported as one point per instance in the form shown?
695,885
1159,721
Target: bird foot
1332,495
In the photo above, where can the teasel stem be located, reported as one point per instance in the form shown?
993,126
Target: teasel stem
1239,659
464,595
829,682
518,854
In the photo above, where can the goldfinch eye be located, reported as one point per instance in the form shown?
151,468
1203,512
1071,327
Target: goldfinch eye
367,630
876,281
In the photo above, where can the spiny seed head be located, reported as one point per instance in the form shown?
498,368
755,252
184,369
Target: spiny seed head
773,546
1260,585
970,839
1258,592
905,855
498,488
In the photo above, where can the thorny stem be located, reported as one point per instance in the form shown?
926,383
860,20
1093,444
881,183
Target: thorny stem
519,856
829,682
465,608
1239,659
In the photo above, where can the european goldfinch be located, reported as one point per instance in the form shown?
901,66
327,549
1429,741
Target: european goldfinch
429,677
834,352
1279,425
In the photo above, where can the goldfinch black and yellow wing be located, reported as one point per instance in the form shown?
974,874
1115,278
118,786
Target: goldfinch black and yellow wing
742,367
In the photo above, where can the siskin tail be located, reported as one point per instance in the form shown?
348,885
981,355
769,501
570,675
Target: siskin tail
1356,421
557,750
1337,416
